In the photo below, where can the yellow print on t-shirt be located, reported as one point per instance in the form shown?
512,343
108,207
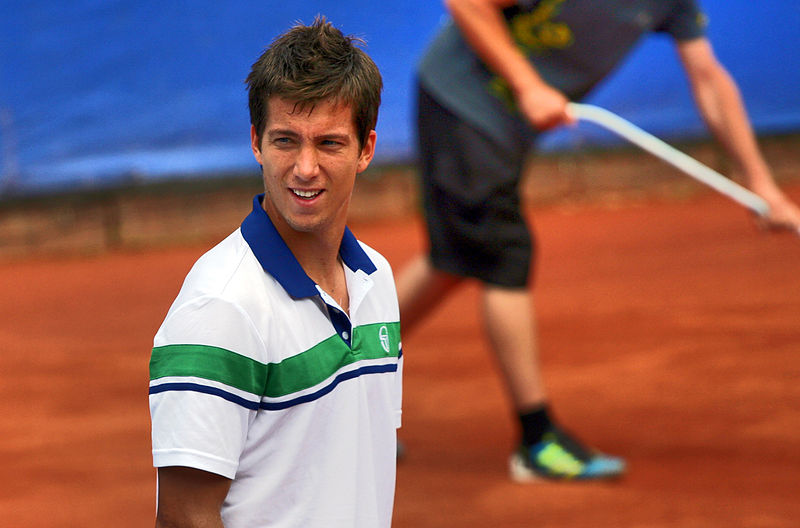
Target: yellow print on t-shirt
534,32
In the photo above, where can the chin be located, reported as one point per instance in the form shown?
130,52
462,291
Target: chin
307,225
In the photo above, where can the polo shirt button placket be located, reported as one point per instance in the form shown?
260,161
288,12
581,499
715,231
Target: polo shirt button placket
341,323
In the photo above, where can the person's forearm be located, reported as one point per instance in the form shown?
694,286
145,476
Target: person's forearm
722,109
190,498
482,24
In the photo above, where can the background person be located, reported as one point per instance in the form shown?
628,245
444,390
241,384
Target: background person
498,72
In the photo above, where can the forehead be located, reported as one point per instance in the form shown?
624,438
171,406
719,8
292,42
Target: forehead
327,114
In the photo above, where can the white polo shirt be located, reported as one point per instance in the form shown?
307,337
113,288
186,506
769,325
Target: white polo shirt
257,375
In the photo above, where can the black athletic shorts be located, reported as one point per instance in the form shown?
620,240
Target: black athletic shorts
470,195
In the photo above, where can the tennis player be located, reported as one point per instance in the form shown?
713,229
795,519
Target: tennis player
275,379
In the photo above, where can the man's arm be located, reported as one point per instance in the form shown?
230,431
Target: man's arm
485,30
721,107
190,498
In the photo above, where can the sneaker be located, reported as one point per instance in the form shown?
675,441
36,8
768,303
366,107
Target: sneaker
558,456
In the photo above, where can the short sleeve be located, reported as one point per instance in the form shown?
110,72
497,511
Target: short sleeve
685,22
206,384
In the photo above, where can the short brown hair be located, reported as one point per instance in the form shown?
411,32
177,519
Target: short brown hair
312,63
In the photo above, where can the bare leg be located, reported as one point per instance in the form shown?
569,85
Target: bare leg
511,328
508,315
420,289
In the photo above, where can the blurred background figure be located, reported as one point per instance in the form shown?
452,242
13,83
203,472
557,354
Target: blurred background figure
497,73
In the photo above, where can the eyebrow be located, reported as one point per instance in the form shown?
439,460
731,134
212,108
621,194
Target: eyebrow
282,132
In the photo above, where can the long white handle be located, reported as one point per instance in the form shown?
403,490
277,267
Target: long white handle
671,155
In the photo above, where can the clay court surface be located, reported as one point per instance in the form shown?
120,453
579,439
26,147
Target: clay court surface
670,334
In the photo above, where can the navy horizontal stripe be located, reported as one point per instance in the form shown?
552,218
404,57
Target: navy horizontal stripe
205,389
370,369
274,406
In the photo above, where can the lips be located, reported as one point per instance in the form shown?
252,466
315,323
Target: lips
306,195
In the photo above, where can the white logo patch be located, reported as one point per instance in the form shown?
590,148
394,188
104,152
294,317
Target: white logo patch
383,334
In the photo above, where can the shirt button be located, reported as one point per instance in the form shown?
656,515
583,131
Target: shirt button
345,335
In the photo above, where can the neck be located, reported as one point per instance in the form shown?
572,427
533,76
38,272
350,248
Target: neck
329,275
318,255
317,252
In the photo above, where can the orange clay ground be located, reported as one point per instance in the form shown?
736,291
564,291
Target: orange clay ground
670,335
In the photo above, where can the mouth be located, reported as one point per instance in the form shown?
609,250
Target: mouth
306,195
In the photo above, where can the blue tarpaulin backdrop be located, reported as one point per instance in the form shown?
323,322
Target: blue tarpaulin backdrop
101,92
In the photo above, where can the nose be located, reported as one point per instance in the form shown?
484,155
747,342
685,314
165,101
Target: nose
306,165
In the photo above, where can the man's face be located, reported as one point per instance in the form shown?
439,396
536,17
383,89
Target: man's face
309,160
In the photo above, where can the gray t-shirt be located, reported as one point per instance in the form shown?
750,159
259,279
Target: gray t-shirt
573,44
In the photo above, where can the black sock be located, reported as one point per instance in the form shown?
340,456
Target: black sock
535,422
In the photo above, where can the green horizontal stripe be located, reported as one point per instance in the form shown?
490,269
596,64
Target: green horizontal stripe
319,362
275,380
208,362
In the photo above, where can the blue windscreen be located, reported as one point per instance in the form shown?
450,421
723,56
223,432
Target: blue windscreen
96,93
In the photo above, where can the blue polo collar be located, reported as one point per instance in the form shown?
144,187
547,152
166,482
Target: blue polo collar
275,257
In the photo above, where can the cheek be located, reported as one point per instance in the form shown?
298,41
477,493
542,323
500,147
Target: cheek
269,175
272,166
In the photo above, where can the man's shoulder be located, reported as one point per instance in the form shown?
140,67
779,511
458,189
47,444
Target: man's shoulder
223,272
222,260
219,302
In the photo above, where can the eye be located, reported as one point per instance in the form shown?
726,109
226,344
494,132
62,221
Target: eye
333,143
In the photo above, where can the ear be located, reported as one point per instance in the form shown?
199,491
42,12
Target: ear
367,152
255,144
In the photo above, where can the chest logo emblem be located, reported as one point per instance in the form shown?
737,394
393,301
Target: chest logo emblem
383,335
